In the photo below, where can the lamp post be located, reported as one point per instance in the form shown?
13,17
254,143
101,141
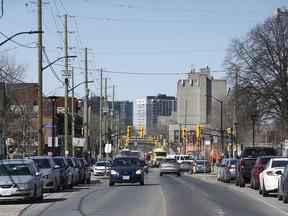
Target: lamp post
221,121
253,116
236,124
40,107
29,32
53,100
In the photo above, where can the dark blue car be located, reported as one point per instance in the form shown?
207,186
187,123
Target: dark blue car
126,170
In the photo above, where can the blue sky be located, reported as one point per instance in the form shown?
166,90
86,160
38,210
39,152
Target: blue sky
143,46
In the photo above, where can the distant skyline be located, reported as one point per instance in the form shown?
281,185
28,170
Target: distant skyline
143,47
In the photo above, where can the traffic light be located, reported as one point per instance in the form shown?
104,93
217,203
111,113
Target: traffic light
141,129
127,143
156,143
129,131
229,131
184,132
119,142
164,142
198,131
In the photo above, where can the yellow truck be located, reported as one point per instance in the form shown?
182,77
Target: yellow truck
157,156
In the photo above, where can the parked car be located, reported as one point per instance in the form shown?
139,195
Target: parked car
185,166
270,175
20,179
75,170
258,167
85,170
229,170
170,166
101,168
202,166
283,185
247,160
144,165
126,170
50,172
66,172
220,169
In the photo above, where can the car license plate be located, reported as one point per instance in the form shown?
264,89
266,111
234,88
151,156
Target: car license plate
6,193
126,177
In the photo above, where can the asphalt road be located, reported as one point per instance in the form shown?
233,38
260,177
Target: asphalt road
168,195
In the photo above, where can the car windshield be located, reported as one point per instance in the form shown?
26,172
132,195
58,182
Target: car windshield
169,160
15,169
100,164
202,162
126,162
258,152
43,163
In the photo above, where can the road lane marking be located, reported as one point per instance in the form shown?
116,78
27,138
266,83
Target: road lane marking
164,201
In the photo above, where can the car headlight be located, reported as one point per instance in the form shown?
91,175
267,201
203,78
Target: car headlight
26,185
113,172
48,176
138,172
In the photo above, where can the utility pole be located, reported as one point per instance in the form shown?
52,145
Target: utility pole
73,117
66,133
40,107
86,144
101,119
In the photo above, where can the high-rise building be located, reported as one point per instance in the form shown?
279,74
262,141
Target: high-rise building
152,107
195,97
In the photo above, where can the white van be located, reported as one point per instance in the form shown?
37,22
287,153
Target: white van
181,158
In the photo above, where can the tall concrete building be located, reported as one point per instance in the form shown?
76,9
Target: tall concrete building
196,96
152,107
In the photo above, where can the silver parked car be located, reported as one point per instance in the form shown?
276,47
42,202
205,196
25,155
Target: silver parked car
50,172
229,171
65,171
20,179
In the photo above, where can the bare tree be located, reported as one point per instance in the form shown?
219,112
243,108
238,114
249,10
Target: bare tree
259,64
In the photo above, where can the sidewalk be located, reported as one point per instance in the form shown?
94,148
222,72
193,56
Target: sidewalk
210,176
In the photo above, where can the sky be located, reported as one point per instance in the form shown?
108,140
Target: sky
143,46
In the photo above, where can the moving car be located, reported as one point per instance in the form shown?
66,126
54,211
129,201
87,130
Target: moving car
101,168
270,175
170,166
126,170
50,172
20,179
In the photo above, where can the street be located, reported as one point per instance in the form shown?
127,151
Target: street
168,195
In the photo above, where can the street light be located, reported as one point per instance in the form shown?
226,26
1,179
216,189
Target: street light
236,124
40,106
29,32
221,119
253,116
53,100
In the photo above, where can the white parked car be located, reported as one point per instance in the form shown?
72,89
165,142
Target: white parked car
101,168
270,175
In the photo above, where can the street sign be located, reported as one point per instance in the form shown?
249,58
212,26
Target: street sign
108,147
286,144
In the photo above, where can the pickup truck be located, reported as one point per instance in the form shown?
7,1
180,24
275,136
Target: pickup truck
246,162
